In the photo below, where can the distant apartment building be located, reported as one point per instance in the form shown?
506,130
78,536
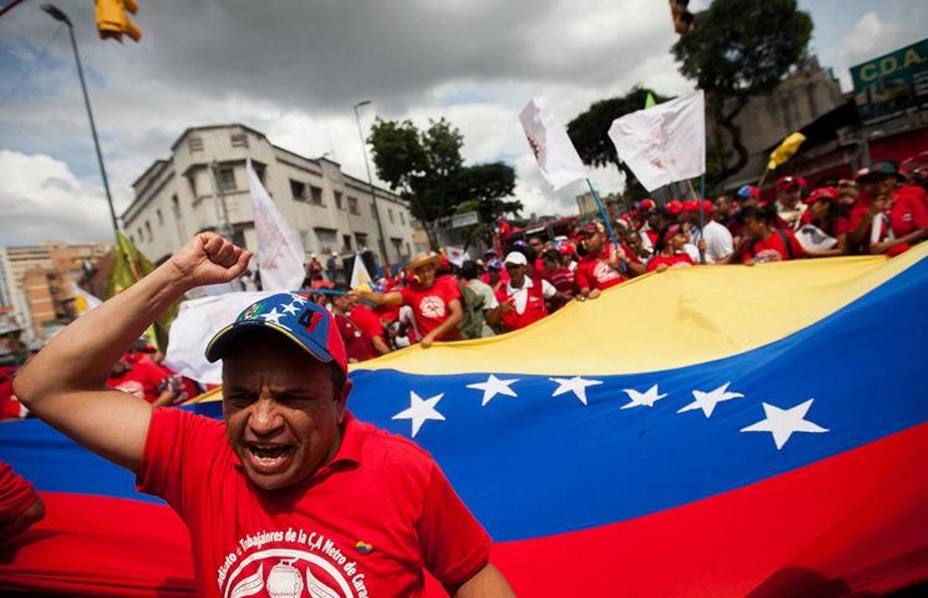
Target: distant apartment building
203,186
35,283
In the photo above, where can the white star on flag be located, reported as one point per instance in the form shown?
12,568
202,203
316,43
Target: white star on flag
638,399
291,308
273,316
708,400
781,423
576,385
297,300
420,410
494,386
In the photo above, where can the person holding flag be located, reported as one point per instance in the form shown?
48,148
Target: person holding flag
599,268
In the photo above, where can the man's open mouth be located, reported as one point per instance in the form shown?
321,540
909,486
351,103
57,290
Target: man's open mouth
269,458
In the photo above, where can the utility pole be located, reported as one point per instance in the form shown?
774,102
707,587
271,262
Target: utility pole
57,14
370,181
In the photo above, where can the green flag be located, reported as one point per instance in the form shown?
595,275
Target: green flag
129,266
649,101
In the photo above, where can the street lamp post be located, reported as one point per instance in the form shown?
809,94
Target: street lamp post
370,181
57,14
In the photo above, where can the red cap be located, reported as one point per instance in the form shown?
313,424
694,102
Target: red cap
590,229
788,183
675,207
707,206
647,204
826,193
691,205
671,232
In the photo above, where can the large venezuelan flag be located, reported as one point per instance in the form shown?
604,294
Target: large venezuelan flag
703,432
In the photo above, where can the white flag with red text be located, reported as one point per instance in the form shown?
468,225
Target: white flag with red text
556,155
280,253
663,144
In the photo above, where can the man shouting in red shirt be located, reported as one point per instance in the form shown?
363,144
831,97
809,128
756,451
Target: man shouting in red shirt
290,491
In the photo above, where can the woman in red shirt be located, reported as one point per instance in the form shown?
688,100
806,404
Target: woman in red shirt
764,241
826,215
670,251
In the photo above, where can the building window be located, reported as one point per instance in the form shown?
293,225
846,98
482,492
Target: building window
353,206
148,230
160,217
132,239
315,195
361,239
346,243
175,209
327,239
141,236
397,245
195,144
390,214
306,241
239,140
338,200
226,178
298,189
402,218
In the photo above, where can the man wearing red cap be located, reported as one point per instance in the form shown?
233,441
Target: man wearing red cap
599,268
789,200
288,468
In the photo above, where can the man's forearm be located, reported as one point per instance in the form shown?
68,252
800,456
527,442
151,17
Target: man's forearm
449,324
82,355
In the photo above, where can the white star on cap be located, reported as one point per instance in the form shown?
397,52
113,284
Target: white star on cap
781,423
291,308
420,410
708,400
273,316
637,399
576,385
494,386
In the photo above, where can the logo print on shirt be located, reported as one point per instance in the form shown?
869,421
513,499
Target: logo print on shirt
363,547
432,307
603,273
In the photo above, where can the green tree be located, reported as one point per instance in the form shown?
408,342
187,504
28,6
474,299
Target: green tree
741,48
589,132
426,169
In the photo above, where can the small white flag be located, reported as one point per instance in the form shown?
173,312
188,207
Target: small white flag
359,274
455,255
83,301
663,144
556,155
812,238
280,254
198,320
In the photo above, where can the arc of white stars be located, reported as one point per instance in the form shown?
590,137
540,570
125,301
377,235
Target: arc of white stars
273,316
576,385
420,411
783,423
494,386
708,400
638,399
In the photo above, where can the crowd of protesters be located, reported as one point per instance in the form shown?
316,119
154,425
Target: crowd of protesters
880,211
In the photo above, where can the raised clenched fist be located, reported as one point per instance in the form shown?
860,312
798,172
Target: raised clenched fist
209,259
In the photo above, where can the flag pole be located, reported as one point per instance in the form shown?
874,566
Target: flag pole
702,214
602,212
763,177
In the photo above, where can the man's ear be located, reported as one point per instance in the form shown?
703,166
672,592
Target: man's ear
342,400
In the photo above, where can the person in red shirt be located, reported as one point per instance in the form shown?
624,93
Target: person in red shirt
671,252
765,241
561,278
289,486
137,374
905,208
823,215
599,269
20,506
370,324
357,345
523,300
436,302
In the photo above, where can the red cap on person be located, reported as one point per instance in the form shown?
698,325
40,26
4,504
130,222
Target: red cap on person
671,232
675,207
826,193
647,204
707,206
789,183
691,205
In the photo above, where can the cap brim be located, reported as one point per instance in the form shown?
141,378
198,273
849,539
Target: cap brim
223,339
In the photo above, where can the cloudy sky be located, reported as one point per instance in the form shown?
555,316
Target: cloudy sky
293,69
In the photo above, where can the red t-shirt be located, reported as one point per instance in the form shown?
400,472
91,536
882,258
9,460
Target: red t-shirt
141,379
672,261
593,272
431,305
357,345
366,523
910,210
365,319
10,407
839,226
16,495
561,279
772,249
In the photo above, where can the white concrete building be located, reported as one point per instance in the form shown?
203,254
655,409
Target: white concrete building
332,211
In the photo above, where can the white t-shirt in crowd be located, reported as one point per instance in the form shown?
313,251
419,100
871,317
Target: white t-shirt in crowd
718,241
